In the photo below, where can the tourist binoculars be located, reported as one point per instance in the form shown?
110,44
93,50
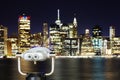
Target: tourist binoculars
36,54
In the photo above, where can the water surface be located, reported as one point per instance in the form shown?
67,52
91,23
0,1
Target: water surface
65,69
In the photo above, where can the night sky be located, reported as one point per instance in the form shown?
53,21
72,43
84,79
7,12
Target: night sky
88,13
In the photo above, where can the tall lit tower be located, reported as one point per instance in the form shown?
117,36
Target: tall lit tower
3,40
45,34
112,32
55,35
71,30
97,39
114,42
75,27
86,46
24,33
55,39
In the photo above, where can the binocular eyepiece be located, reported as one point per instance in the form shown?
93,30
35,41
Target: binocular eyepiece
36,54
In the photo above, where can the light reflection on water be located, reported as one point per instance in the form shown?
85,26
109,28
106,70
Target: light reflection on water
65,69
98,69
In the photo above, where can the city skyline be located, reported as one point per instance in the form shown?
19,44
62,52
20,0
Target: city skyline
62,39
88,14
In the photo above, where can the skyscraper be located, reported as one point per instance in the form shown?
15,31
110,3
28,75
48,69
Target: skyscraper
45,35
97,39
64,31
71,30
86,46
55,35
55,39
112,32
3,40
24,33
75,27
36,40
13,44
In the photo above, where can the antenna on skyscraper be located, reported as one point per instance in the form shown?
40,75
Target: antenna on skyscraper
58,22
58,14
